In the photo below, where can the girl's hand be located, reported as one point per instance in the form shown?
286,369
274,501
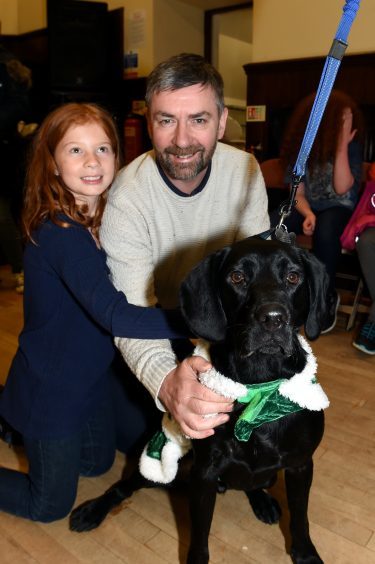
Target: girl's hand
347,133
308,225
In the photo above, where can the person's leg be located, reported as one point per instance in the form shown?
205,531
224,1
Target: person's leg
10,238
329,226
365,340
366,255
48,491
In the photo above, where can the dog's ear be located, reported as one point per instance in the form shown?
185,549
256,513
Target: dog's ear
200,301
317,282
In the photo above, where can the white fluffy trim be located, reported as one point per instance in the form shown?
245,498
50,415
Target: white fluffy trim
163,471
301,389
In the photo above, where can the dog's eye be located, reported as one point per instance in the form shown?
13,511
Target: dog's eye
293,278
237,277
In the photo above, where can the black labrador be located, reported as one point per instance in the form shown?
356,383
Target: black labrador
249,301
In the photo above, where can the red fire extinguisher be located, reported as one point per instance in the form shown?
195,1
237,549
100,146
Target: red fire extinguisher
133,137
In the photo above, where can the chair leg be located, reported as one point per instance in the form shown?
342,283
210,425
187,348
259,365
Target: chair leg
355,305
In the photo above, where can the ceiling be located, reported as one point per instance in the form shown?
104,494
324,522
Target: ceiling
213,4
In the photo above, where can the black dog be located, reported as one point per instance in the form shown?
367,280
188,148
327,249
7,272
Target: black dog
249,301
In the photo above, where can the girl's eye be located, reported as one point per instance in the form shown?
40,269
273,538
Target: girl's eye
237,277
104,149
75,150
293,278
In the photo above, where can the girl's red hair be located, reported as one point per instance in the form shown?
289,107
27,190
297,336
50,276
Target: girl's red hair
45,193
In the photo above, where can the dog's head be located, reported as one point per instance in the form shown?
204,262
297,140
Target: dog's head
257,292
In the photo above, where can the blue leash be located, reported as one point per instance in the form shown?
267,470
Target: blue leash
327,79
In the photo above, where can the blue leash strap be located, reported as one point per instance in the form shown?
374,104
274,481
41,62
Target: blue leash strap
327,79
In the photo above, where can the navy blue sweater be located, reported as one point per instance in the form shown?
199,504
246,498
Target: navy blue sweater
71,309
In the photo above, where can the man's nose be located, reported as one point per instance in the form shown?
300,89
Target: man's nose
181,134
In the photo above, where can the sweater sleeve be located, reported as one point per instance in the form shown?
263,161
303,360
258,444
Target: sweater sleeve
81,265
254,218
125,238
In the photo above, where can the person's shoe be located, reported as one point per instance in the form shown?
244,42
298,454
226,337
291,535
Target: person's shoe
333,303
19,282
365,340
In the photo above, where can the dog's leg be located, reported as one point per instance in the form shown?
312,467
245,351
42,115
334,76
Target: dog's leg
264,506
202,505
91,513
298,483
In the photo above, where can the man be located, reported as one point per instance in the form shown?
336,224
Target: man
169,209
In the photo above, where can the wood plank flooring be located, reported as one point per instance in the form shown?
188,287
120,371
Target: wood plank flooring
152,528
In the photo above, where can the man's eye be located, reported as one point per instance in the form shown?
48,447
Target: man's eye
165,122
293,278
200,121
237,277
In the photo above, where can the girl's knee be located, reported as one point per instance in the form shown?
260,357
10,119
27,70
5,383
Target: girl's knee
48,513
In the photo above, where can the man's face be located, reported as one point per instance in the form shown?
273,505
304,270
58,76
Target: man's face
185,126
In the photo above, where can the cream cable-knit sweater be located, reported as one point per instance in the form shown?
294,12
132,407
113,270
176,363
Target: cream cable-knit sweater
153,237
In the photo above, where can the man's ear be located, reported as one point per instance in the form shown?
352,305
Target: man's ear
222,123
200,301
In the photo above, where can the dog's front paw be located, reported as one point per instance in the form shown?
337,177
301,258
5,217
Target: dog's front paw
306,556
264,506
198,556
88,515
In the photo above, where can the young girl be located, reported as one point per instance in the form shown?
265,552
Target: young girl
57,393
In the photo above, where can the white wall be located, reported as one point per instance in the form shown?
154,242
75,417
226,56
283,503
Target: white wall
290,29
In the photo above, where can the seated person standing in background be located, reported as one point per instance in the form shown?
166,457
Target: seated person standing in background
169,209
328,194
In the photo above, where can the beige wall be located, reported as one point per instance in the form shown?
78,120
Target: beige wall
291,29
284,29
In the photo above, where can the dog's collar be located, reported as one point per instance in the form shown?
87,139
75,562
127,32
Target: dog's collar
266,402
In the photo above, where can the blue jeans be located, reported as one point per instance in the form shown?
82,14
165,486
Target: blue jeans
49,489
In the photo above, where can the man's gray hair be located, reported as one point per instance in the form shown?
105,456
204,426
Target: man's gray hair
180,71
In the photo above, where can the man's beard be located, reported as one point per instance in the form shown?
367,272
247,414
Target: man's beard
184,170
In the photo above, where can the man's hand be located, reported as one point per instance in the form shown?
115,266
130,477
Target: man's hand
189,401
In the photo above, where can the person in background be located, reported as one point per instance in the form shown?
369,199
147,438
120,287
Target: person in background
328,193
365,340
15,83
57,395
170,208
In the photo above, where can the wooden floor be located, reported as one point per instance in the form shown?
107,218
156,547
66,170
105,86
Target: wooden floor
152,527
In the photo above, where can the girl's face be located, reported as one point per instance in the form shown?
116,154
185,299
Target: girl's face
86,163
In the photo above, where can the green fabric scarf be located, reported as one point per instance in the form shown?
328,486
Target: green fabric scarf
264,404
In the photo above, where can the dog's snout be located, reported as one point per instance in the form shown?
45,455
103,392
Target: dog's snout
272,316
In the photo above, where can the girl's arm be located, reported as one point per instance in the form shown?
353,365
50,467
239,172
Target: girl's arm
83,269
343,178
303,207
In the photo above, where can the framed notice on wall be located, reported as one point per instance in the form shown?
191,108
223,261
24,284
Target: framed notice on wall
256,113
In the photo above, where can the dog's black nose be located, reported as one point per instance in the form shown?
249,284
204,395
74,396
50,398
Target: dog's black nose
271,316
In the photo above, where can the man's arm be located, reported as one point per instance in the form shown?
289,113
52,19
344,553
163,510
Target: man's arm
125,238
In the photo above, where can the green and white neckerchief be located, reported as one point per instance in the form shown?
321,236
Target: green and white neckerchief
264,403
